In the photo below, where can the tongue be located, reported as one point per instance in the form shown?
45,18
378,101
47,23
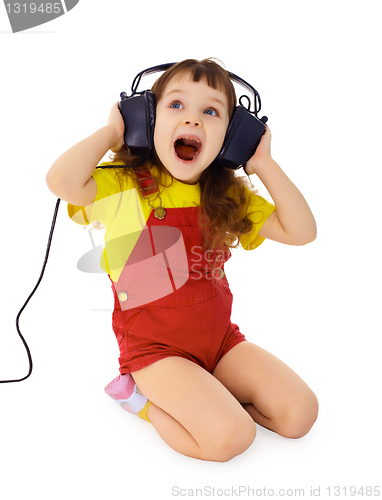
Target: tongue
185,152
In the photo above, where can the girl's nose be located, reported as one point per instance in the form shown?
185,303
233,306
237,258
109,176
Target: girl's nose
193,121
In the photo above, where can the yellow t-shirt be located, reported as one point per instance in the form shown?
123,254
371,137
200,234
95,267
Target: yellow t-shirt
123,213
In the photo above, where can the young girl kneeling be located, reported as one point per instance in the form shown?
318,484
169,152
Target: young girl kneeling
170,223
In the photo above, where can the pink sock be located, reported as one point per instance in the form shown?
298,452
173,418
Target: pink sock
125,392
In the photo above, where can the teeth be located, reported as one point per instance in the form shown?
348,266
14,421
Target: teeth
190,139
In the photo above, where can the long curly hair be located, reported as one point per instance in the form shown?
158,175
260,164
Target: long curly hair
224,194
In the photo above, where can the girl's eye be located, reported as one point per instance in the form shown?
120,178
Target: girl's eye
176,105
211,111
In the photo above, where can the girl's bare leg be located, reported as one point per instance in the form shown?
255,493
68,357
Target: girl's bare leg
193,412
271,392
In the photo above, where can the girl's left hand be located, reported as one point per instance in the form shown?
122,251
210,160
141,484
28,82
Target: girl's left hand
262,153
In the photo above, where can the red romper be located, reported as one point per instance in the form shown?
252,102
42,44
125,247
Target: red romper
194,320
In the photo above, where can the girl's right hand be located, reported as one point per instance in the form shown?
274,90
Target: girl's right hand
116,121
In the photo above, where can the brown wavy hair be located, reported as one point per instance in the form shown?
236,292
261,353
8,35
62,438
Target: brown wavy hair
224,195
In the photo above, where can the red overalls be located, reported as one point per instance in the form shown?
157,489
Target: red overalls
193,319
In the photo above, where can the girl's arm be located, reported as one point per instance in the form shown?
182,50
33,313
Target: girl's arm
70,176
292,222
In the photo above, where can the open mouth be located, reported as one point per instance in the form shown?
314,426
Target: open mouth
187,149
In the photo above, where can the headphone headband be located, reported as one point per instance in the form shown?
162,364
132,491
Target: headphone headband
148,71
232,76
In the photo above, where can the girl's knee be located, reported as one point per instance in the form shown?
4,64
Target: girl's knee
233,439
298,421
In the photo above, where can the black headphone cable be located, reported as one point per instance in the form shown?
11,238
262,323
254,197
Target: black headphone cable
30,296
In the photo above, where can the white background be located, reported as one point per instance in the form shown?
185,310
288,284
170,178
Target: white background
317,68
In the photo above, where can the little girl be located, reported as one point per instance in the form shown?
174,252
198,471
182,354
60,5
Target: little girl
202,385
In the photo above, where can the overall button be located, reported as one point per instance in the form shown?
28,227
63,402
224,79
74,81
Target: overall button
219,273
123,296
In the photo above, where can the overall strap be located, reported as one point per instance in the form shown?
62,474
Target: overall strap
146,182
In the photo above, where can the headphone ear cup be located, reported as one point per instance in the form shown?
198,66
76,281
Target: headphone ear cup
243,135
138,113
233,123
151,108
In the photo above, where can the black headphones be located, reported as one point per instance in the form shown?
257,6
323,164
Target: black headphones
241,140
